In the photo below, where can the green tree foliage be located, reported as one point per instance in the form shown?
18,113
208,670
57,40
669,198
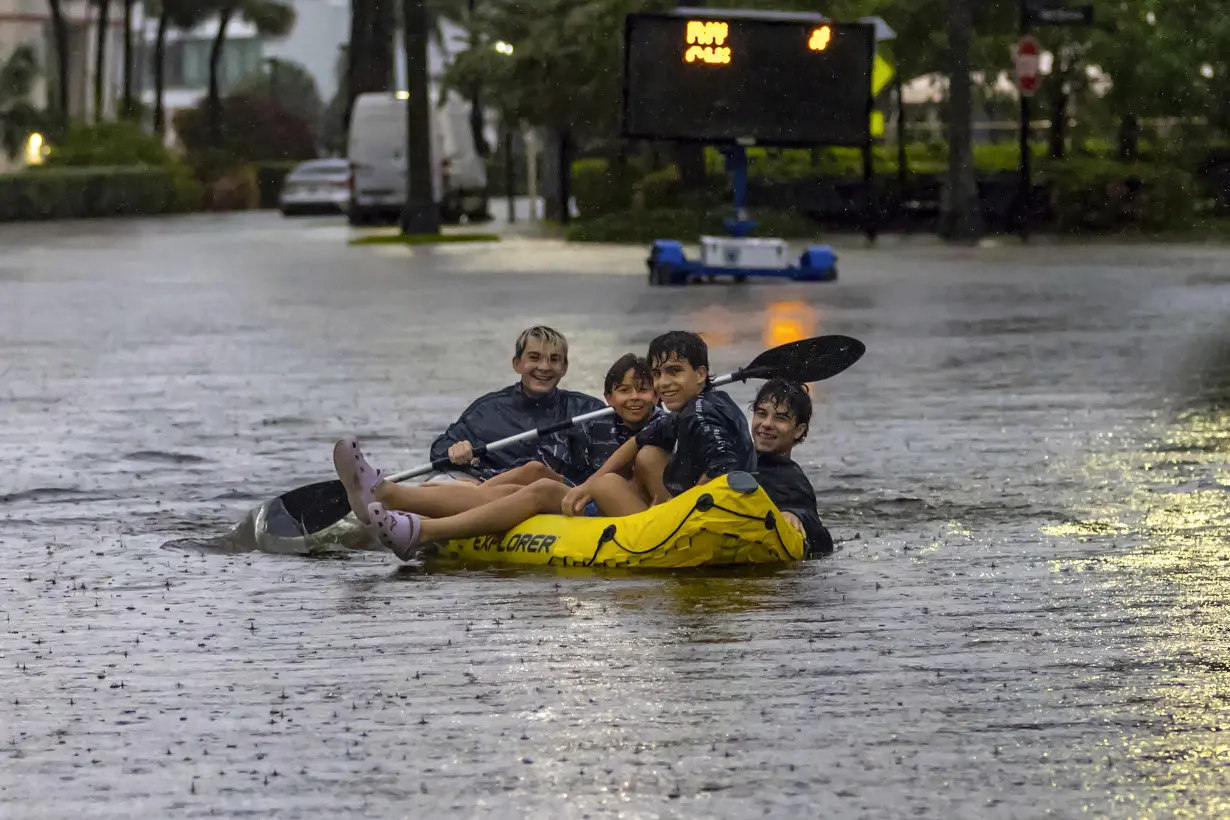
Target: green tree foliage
565,68
288,84
252,129
268,17
1142,60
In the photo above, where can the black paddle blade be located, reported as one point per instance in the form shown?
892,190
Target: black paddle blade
807,360
307,510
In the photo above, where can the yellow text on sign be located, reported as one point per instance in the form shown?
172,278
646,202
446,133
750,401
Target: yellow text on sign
710,33
705,42
707,54
820,39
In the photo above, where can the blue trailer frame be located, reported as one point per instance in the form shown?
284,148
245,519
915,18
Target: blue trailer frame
668,265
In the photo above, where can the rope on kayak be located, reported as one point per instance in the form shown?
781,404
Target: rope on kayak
703,504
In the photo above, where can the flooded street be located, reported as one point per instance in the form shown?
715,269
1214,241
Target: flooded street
1028,474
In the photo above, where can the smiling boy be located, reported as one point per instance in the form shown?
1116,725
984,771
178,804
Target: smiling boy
704,436
540,358
398,514
781,414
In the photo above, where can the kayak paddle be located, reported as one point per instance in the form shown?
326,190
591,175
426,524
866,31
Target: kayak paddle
316,507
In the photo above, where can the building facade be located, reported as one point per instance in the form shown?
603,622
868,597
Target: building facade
28,22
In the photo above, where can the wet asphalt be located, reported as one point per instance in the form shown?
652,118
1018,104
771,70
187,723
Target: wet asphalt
1028,475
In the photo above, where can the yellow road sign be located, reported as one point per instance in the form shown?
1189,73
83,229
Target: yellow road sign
881,73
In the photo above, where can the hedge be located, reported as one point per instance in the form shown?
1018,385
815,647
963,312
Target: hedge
684,224
116,144
1083,193
85,192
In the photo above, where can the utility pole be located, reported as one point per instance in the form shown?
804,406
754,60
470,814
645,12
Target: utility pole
420,214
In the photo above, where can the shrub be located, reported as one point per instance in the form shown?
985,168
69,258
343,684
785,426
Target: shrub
598,188
79,193
234,190
111,144
1107,195
251,129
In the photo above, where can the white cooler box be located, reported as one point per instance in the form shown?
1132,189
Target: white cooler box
732,252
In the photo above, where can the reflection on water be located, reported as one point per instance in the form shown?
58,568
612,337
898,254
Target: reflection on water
781,322
787,322
1170,504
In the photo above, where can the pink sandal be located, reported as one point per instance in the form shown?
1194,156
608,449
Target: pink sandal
358,477
399,531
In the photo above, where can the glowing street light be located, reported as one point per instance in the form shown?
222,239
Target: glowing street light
36,149
503,48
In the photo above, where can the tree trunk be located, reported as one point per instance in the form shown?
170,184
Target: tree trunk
159,56
100,58
961,217
554,171
1129,137
213,108
129,106
421,213
370,52
383,30
476,93
1064,64
59,30
903,160
476,125
1059,121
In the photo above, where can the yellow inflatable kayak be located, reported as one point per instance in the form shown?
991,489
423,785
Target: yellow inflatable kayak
729,521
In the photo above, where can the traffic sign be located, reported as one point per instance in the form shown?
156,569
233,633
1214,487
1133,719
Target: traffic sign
881,73
1028,65
1061,16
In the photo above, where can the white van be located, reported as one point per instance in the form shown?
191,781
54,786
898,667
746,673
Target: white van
376,150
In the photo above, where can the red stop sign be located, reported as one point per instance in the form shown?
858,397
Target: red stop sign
1028,65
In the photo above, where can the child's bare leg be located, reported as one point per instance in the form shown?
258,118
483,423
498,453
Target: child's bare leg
403,532
615,496
543,496
524,475
650,467
439,500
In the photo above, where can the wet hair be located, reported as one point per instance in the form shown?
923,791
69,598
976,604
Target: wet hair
791,395
549,336
626,362
688,346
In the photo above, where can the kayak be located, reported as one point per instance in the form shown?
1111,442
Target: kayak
729,521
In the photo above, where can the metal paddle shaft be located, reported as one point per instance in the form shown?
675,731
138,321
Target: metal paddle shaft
315,507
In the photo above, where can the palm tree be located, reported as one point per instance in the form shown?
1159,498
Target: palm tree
129,106
100,57
371,48
17,115
59,33
961,217
269,17
184,15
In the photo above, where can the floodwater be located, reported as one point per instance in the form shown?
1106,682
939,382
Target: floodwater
1029,475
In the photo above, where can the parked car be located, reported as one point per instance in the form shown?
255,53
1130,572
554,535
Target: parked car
318,186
